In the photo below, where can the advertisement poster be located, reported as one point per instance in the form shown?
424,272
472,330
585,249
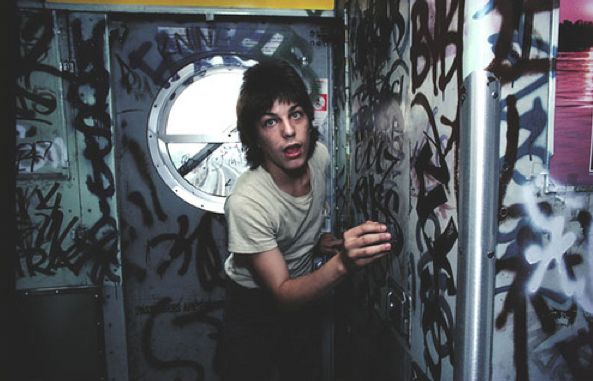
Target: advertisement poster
572,161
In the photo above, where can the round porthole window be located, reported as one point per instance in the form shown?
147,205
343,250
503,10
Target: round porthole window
192,133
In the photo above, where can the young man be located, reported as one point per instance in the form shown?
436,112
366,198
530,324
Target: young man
274,218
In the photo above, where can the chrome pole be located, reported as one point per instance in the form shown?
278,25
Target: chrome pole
478,207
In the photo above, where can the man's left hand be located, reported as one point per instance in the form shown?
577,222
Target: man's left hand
329,245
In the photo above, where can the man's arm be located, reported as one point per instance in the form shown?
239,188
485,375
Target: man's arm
363,244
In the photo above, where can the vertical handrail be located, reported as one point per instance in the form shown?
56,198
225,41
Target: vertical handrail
478,206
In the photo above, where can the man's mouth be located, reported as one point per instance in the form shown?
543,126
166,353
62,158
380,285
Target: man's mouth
293,151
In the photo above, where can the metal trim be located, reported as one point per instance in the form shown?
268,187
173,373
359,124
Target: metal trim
209,13
212,138
549,186
60,290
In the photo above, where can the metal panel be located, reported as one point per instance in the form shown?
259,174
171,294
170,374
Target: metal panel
478,206
47,195
44,144
373,162
60,334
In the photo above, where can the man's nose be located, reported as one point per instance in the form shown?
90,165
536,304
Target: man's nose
288,129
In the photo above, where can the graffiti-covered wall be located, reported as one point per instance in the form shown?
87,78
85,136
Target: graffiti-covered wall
406,67
101,231
150,261
404,77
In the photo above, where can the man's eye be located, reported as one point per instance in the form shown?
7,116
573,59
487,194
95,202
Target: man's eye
297,115
269,122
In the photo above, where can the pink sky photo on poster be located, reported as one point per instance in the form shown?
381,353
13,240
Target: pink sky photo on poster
572,161
574,10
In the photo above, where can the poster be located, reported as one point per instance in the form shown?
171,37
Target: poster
572,161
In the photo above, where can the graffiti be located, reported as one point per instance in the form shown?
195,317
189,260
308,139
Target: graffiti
432,179
434,267
552,252
88,89
376,159
51,241
432,43
376,33
437,315
35,103
546,355
160,308
87,93
517,19
141,162
174,47
208,260
577,351
542,245
548,253
378,121
435,54
137,199
533,122
202,315
33,157
512,141
378,84
132,82
40,245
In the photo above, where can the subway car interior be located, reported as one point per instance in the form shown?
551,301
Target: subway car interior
464,126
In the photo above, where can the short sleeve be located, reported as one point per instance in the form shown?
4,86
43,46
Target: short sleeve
250,225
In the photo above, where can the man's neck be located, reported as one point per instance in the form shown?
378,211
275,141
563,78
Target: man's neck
296,183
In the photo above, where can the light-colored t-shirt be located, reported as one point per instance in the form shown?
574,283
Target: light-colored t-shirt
260,217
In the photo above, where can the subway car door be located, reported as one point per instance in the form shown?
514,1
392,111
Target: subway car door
174,81
68,313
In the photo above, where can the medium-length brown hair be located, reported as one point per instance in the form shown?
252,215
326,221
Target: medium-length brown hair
263,84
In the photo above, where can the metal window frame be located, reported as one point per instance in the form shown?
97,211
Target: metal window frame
157,139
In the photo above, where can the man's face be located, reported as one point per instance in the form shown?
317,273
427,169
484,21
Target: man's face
284,138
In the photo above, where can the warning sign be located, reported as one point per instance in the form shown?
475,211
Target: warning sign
321,103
